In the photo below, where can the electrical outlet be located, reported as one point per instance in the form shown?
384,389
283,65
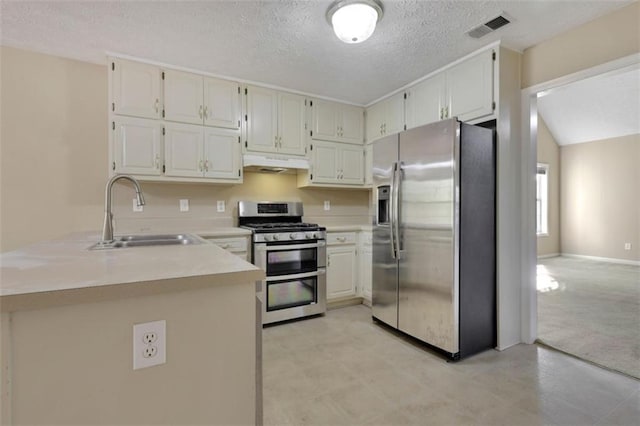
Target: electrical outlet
184,205
327,205
627,246
136,207
149,344
220,206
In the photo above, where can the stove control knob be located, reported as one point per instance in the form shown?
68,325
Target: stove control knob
267,237
293,236
313,235
276,237
308,235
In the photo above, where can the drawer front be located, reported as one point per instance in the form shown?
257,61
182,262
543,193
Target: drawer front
234,245
337,238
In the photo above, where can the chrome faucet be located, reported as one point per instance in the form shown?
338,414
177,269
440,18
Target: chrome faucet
107,229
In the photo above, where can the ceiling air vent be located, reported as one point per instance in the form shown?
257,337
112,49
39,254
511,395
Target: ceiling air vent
488,27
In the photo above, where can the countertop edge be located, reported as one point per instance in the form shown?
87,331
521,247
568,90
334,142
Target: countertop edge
48,299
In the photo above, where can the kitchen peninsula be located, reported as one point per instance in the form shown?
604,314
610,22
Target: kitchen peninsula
67,319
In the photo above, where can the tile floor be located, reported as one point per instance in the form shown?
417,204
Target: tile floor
591,309
342,369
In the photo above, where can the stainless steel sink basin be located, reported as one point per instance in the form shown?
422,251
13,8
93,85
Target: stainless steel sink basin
142,240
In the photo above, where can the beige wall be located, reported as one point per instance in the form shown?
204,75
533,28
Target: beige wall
549,153
54,162
54,146
600,205
72,365
607,38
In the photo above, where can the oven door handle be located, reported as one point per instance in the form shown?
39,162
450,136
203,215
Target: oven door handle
320,271
264,247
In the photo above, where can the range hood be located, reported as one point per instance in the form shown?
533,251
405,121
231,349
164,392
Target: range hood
265,164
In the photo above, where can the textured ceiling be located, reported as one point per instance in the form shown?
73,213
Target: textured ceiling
597,108
287,43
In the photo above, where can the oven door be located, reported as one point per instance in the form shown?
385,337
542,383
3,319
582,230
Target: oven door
295,285
290,259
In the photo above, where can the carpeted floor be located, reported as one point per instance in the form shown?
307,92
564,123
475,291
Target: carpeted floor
591,309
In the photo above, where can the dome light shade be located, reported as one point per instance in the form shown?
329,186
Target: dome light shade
354,21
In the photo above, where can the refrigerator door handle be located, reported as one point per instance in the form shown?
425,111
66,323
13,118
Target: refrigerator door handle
397,173
392,216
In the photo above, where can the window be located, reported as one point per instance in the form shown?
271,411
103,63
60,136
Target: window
542,206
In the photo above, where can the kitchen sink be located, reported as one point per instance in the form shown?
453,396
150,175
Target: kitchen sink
148,240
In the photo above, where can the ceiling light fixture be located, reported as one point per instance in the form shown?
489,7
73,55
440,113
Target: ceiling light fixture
354,21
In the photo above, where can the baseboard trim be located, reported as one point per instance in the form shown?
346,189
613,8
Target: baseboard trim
603,259
546,256
343,302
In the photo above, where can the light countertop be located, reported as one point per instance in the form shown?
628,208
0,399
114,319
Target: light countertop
62,265
349,228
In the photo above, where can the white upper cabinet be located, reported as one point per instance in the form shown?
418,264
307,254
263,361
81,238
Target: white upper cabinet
337,163
386,117
425,101
194,99
470,87
465,91
137,146
332,121
275,121
135,89
202,152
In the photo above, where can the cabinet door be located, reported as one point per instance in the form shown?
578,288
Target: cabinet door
394,114
324,118
183,97
262,119
366,259
375,118
137,146
470,87
351,124
351,164
221,103
341,271
291,117
183,150
135,89
324,162
222,153
425,101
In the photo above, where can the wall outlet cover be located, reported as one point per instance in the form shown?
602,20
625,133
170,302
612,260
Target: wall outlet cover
149,344
184,205
627,246
327,205
220,206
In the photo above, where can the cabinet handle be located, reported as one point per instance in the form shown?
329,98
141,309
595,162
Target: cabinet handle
157,105
206,165
206,114
224,246
157,161
200,165
280,141
342,239
200,112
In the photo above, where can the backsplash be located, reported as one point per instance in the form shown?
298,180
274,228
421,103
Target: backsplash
162,209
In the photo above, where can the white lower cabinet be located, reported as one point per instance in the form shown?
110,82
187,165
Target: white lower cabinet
137,146
197,151
365,258
236,245
342,265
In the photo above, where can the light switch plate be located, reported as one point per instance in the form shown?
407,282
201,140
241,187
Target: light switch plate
184,205
220,206
327,205
627,246
136,207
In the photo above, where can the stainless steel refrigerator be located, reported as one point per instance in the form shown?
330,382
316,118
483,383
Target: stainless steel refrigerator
434,266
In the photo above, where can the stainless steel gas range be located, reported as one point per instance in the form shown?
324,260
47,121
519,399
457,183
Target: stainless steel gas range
293,255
